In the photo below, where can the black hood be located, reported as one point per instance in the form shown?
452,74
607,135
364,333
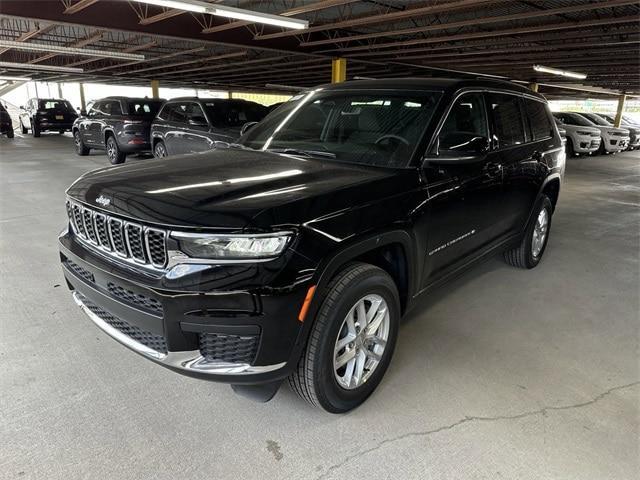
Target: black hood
232,189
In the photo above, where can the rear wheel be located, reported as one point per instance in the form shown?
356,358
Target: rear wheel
113,151
160,150
81,148
352,340
536,236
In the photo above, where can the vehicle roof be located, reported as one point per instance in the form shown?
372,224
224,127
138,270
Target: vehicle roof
128,99
450,83
212,99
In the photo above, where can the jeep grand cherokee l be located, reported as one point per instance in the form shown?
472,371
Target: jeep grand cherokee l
46,115
582,136
119,125
613,139
294,253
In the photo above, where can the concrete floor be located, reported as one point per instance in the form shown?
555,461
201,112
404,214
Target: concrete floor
504,373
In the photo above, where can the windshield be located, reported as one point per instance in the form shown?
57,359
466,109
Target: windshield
597,119
54,105
145,108
575,119
379,128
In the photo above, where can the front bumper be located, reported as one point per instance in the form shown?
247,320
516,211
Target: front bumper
233,336
586,143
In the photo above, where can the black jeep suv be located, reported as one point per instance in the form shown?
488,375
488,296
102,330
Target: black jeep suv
46,114
6,124
190,125
293,253
119,125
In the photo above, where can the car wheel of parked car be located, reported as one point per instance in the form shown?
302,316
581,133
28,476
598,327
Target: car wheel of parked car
536,236
352,340
570,150
81,148
23,129
160,150
113,152
10,133
35,129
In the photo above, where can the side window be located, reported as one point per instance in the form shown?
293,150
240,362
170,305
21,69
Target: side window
465,130
116,108
539,120
195,115
95,110
163,114
178,112
507,119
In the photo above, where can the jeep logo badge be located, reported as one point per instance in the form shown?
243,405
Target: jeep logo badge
102,200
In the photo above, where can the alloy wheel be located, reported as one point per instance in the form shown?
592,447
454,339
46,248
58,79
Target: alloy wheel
540,232
361,341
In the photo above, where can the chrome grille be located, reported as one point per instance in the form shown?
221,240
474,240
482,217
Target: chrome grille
128,241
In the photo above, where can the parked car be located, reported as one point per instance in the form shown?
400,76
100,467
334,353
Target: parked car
6,124
190,125
582,136
613,139
634,129
46,115
294,254
561,131
119,125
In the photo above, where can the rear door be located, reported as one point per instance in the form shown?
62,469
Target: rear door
92,125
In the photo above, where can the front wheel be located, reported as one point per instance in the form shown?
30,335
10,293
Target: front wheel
351,341
81,148
35,129
536,236
570,150
114,154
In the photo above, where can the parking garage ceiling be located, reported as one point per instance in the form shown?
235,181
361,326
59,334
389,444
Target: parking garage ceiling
380,39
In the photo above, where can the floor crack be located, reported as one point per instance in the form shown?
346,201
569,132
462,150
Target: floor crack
469,419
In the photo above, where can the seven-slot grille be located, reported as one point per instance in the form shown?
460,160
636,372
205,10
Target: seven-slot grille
127,240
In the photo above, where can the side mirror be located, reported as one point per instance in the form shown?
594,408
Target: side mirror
197,121
246,127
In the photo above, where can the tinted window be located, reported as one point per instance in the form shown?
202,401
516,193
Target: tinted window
507,119
597,119
367,127
144,108
538,119
573,119
111,107
465,125
225,113
96,110
54,105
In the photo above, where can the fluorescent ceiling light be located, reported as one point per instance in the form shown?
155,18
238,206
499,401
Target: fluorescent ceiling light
41,47
44,68
14,79
562,73
230,12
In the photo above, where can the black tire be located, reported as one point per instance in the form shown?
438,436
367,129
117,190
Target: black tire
24,129
523,255
35,129
114,154
61,132
81,148
10,133
314,379
159,149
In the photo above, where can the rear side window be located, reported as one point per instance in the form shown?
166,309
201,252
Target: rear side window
507,119
539,120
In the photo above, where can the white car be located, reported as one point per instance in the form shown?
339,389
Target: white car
613,139
629,124
582,136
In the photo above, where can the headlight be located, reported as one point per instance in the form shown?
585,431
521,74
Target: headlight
233,246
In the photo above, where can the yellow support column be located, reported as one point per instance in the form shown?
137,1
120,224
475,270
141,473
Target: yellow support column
533,86
338,70
155,88
621,99
83,103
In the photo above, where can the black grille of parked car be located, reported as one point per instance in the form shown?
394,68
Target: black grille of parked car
151,340
80,272
229,348
122,239
136,299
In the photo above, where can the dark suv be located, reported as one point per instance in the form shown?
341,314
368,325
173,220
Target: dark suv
294,253
6,124
190,125
47,114
119,125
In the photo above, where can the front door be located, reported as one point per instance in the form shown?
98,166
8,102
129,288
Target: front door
465,188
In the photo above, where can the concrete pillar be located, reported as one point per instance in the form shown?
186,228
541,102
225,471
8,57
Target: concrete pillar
621,99
83,103
338,70
533,86
60,90
155,88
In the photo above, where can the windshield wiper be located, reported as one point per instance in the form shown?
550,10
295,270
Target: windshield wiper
306,153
